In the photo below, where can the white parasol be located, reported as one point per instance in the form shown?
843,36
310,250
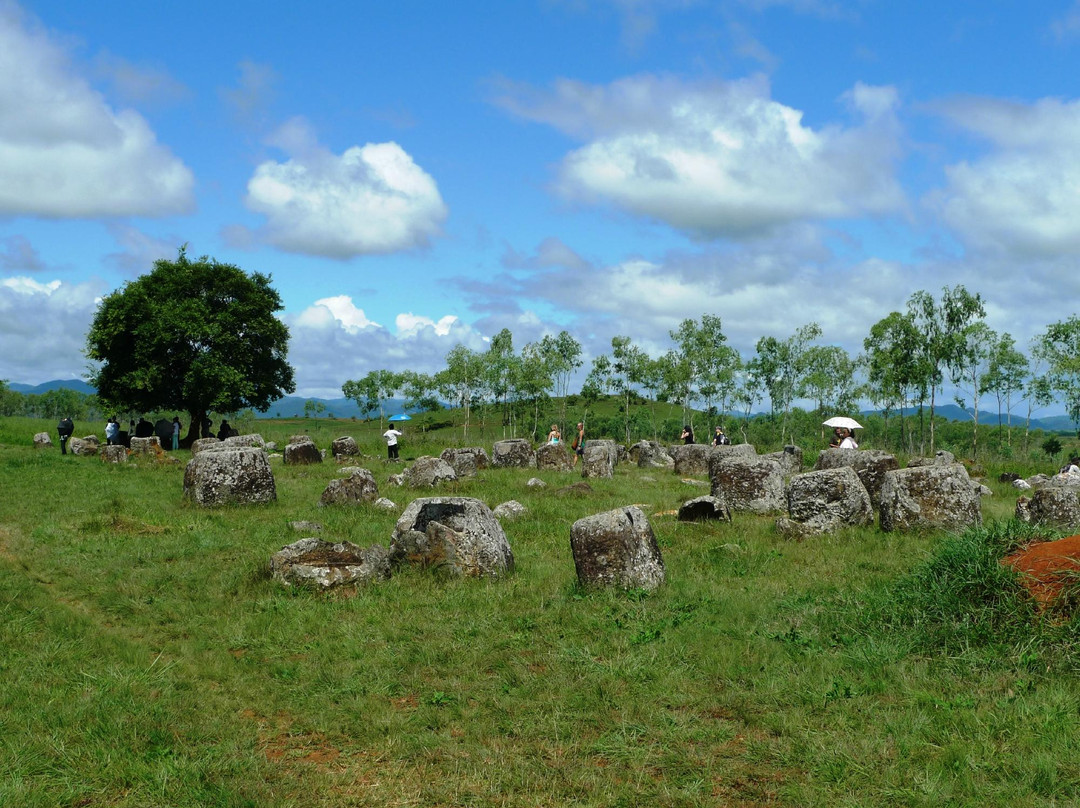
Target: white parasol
840,420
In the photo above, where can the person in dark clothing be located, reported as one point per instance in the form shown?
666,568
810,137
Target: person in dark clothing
144,429
207,428
163,430
687,435
64,430
224,431
720,439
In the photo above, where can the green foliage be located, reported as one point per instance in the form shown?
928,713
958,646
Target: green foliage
1060,346
196,336
372,390
1052,446
963,595
943,326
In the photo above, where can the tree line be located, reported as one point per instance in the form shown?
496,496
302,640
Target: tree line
52,404
907,359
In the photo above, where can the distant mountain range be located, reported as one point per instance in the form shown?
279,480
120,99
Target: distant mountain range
950,412
293,407
287,407
78,385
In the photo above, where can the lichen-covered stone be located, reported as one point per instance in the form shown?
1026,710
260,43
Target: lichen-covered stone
747,483
202,443
322,564
734,450
459,536
509,510
344,446
358,487
824,501
692,458
870,464
651,454
251,440
466,461
939,458
554,457
514,453
1053,506
704,509
617,548
42,440
935,496
428,472
146,446
790,459
614,450
232,475
302,452
114,454
597,461
83,446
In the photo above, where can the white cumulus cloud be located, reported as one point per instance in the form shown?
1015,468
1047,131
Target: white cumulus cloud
722,159
64,152
43,328
411,324
369,199
1023,196
335,312
327,350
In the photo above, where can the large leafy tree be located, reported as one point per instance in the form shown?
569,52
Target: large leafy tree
943,325
630,366
562,355
372,391
706,364
895,376
781,365
1006,376
970,367
194,336
1060,345
829,379
461,382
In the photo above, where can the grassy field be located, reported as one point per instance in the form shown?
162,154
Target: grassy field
149,660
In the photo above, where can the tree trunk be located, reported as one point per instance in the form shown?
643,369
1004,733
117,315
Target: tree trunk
195,420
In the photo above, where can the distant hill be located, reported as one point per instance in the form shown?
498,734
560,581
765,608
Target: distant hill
78,385
293,407
950,412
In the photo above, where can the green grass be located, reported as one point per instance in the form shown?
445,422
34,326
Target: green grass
148,659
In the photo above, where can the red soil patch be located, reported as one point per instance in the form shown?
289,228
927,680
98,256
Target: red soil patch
1047,567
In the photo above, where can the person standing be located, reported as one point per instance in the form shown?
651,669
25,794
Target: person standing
720,439
64,430
553,435
687,435
392,435
112,429
579,444
175,433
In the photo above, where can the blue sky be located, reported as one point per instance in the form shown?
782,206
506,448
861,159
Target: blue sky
416,175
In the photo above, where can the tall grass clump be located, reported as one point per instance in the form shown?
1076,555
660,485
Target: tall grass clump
963,601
